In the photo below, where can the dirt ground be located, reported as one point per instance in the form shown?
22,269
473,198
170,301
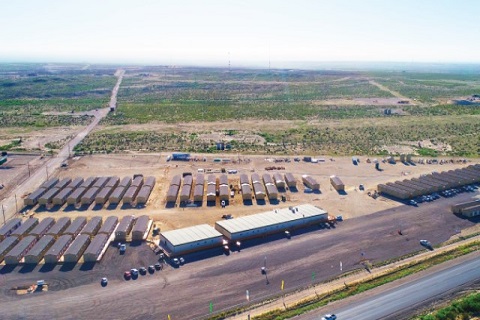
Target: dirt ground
353,203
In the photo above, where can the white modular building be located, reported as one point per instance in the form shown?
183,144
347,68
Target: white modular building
181,241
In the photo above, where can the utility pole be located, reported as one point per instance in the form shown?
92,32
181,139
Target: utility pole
28,165
3,211
46,169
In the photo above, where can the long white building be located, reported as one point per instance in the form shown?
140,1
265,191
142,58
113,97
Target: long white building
181,241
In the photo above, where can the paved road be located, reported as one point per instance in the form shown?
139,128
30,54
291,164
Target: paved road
389,304
13,202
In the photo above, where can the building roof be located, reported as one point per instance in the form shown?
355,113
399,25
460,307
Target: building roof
8,226
138,181
267,179
88,182
76,225
198,191
63,183
336,181
126,181
190,234
112,182
270,218
223,179
77,244
188,180
150,181
125,224
109,224
92,224
141,224
200,179
61,242
61,224
244,179
97,243
7,243
22,245
176,180
41,244
49,183
26,225
101,181
75,183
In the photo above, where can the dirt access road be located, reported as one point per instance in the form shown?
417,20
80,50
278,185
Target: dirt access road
13,200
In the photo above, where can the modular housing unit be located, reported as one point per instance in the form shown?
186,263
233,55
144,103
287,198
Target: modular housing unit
279,220
140,228
337,183
7,245
49,184
103,195
100,182
267,179
272,191
200,179
172,193
150,181
259,191
125,182
124,228
144,194
42,228
76,249
458,207
9,227
223,180
290,180
92,226
76,226
310,182
131,194
256,178
75,183
392,191
112,182
109,225
25,228
471,211
32,198
63,183
223,192
76,195
117,194
48,196
36,253
211,179
244,179
279,180
246,192
181,241
211,192
96,247
61,197
18,252
58,249
188,180
198,193
176,181
89,196
88,183
137,182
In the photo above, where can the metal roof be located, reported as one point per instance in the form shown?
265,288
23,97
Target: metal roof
188,180
25,226
77,244
61,224
49,183
112,182
8,226
61,242
223,179
289,177
150,181
176,180
75,183
63,183
211,179
88,182
198,191
126,181
7,243
109,224
244,179
270,218
255,178
267,179
138,181
200,179
125,224
92,225
100,183
97,243
190,234
76,225
22,245
41,244
141,224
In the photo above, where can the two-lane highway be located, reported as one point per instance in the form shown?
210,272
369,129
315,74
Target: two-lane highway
389,304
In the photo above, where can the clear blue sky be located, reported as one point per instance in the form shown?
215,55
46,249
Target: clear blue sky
246,32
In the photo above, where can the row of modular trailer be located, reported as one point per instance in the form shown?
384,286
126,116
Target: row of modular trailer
271,222
109,225
181,241
18,252
119,191
6,245
93,251
36,253
42,227
92,226
48,196
76,249
310,182
468,209
32,198
76,226
58,249
141,228
337,183
25,228
434,182
59,227
9,227
124,228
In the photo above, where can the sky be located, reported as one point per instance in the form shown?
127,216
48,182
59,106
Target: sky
250,32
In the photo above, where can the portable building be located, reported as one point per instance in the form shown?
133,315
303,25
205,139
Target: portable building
337,183
185,192
100,182
92,226
267,179
279,180
137,182
89,196
32,198
59,227
429,185
25,228
413,191
18,252
212,180
272,191
144,194
262,224
76,249
172,193
36,253
244,179
393,191
150,181
88,183
61,197
211,192
131,194
58,249
103,195
49,184
95,248
223,192
140,228
256,178
290,180
47,197
75,183
76,195
9,227
188,180
63,183
223,180
112,182
200,180
198,193
109,225
76,226
6,245
117,194
125,182
246,192
458,207
310,182
181,241
124,228
42,228
259,191
176,181
471,211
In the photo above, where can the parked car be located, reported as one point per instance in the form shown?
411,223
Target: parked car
104,282
143,270
263,270
151,269
127,275
426,244
158,266
123,248
339,218
134,272
329,317
413,203
361,187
